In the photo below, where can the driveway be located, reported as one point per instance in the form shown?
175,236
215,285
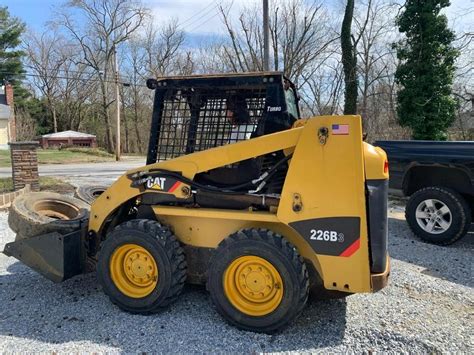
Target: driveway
85,173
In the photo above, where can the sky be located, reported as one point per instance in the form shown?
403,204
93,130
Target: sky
200,17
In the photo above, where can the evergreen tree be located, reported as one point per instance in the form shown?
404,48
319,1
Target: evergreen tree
11,67
426,69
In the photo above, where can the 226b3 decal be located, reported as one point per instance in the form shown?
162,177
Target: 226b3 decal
327,236
336,236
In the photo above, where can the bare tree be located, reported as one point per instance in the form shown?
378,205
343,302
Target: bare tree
376,29
25,125
322,92
104,25
45,60
299,34
78,88
162,46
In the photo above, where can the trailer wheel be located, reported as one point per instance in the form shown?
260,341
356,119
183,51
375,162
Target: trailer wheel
438,215
38,213
258,281
141,266
89,193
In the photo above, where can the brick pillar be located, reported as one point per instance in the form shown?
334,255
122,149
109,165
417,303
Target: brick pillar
25,165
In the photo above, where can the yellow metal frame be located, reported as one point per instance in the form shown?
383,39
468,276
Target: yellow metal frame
328,176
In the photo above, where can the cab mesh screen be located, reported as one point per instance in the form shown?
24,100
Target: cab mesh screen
197,120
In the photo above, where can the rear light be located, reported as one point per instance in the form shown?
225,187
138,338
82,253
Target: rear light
385,167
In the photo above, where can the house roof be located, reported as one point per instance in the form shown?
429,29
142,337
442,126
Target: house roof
68,134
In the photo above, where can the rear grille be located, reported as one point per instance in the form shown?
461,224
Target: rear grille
378,224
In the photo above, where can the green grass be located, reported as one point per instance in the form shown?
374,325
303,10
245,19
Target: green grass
6,185
63,156
92,151
46,184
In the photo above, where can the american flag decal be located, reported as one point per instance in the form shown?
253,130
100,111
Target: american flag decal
340,129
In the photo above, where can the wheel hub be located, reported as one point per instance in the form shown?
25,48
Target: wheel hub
433,216
139,268
133,270
253,285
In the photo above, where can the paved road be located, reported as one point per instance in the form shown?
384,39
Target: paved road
87,173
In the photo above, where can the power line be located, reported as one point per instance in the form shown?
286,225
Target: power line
206,20
72,72
61,70
197,13
199,22
19,75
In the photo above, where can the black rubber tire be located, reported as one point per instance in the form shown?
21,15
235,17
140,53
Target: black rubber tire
283,256
28,215
168,254
89,193
460,212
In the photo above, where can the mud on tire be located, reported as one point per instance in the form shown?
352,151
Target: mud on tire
46,212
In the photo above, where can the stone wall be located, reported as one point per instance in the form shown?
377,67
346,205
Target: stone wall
7,198
25,165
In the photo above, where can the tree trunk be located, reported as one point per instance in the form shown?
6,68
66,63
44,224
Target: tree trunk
125,124
349,61
105,117
55,120
136,122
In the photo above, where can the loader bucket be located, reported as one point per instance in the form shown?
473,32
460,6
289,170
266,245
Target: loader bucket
55,256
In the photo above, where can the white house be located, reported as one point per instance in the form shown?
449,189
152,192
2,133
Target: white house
7,119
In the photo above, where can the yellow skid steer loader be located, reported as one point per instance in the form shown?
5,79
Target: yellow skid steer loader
240,194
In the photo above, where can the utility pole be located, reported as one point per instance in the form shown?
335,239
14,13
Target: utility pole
266,37
117,101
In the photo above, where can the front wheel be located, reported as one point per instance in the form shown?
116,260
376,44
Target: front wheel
258,281
141,266
438,215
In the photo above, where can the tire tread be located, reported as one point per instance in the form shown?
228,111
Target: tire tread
290,253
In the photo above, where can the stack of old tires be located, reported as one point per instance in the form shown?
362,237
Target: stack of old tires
39,213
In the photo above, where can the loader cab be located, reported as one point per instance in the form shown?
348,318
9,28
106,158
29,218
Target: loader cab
195,113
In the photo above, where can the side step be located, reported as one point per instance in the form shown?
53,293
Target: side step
55,256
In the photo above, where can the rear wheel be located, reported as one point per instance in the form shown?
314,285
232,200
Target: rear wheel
257,280
89,193
141,266
438,215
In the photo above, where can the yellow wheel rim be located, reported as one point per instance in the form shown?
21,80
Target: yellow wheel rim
133,271
253,285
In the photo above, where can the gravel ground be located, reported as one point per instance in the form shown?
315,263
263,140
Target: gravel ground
427,307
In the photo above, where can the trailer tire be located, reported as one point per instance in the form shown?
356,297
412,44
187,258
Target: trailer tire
141,267
258,281
443,201
89,193
38,213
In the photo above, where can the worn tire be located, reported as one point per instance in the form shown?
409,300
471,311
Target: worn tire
165,250
45,212
460,215
89,193
280,254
